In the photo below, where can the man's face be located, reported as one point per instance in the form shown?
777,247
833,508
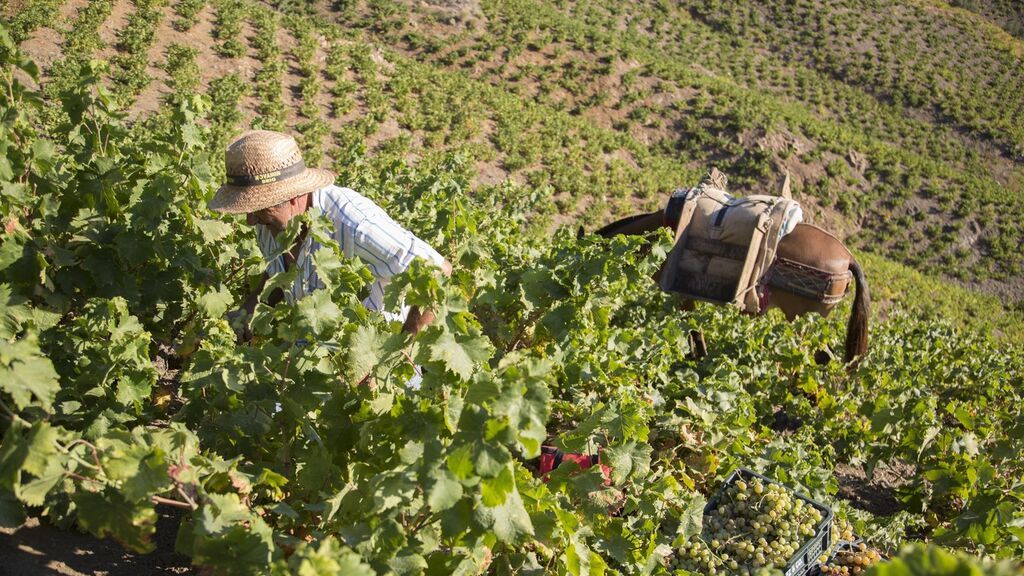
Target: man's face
274,218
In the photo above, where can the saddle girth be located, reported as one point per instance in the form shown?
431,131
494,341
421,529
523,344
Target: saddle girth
807,281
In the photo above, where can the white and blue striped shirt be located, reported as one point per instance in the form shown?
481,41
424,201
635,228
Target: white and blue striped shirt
362,229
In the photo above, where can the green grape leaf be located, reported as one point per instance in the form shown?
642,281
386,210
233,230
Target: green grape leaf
627,460
326,558
33,492
475,563
42,448
226,534
213,230
494,491
929,560
460,462
13,313
134,389
216,302
364,351
444,490
580,559
459,355
407,564
524,403
12,514
141,470
691,521
32,450
509,520
317,314
27,375
108,514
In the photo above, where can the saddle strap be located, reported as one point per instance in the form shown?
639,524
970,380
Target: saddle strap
668,278
756,259
723,249
806,281
674,208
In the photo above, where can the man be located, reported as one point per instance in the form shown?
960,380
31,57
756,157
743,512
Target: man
268,181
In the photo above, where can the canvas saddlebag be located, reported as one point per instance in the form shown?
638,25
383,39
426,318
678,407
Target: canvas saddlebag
725,244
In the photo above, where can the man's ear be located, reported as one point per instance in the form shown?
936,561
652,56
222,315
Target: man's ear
301,203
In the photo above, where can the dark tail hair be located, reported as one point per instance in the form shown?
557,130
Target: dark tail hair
612,229
857,328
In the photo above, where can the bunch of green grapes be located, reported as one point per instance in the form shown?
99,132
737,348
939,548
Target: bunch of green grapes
842,530
755,527
852,560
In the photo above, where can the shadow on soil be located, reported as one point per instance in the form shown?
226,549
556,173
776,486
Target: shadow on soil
39,549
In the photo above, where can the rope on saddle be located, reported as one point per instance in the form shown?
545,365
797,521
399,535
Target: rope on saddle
806,281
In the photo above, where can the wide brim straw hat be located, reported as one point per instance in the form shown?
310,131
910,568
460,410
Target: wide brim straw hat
264,169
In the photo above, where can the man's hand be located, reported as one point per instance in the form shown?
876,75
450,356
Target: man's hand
419,319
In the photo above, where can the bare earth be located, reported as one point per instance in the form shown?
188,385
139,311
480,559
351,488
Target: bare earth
877,495
39,549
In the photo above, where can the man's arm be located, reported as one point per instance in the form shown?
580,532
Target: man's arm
277,295
248,308
249,305
386,247
418,320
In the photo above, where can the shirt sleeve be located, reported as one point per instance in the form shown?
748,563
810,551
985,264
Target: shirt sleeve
387,247
268,246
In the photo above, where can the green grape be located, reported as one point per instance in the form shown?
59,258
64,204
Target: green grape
851,560
842,529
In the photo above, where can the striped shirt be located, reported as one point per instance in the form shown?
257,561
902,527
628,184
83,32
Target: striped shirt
362,229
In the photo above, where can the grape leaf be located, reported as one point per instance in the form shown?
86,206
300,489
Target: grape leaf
215,303
459,355
691,521
365,350
444,491
108,514
12,514
509,520
493,491
26,374
317,315
627,460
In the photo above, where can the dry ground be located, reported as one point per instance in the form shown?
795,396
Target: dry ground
39,549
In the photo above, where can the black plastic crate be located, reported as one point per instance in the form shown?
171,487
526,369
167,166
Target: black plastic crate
806,560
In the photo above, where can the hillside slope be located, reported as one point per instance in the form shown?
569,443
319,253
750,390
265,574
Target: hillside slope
606,104
1007,14
722,83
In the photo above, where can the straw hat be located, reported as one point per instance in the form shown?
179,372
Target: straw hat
265,168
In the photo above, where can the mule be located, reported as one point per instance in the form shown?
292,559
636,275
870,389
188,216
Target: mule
806,245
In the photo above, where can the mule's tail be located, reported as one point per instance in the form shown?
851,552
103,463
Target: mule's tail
636,224
857,328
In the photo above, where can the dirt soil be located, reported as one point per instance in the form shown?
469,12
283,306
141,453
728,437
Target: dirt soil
877,495
39,549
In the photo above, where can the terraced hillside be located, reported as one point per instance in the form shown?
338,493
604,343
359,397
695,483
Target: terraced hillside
1008,14
725,83
902,132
